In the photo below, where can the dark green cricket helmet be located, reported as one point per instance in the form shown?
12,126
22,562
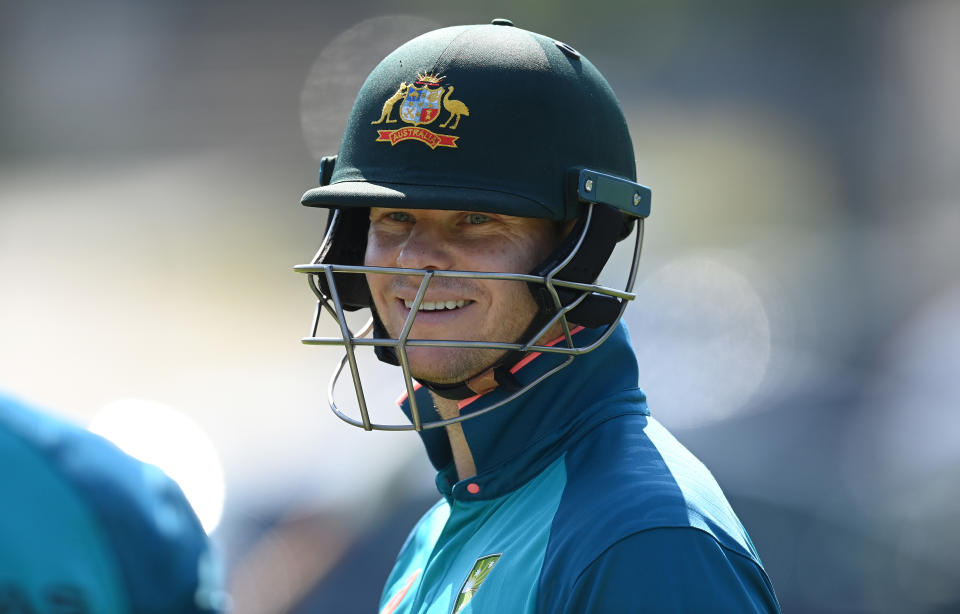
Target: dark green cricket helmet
482,118
488,118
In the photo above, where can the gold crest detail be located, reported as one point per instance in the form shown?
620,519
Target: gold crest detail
421,103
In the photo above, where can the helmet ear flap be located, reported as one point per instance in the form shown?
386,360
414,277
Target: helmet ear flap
385,353
626,226
346,244
599,236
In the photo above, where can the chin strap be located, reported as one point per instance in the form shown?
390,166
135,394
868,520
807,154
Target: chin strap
498,376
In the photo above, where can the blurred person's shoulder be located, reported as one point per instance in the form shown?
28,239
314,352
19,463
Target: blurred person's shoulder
85,526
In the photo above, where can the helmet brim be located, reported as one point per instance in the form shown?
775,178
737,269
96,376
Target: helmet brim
356,194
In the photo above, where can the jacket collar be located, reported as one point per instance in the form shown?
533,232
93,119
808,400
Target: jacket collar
515,442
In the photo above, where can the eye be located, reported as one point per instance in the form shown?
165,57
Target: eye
400,216
476,218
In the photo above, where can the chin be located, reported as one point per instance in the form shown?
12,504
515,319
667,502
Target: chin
449,365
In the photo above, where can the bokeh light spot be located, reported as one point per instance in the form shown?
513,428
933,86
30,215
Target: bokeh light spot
341,69
702,338
160,435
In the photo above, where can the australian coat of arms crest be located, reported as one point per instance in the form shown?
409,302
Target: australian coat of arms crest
421,103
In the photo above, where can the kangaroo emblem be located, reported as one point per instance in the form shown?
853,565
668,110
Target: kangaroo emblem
388,105
455,108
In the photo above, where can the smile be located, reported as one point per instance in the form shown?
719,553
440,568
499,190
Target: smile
436,305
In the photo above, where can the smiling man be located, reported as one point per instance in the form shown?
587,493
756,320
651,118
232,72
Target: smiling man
472,310
474,229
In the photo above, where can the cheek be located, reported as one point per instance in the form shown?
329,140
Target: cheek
504,253
509,299
513,258
376,253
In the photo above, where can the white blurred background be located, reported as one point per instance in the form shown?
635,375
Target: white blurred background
798,324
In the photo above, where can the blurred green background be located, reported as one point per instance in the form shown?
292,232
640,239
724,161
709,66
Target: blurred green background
798,320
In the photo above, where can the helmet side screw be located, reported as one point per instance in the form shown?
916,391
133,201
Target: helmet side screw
588,185
636,199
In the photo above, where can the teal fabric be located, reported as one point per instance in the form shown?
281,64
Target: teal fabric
454,535
50,542
615,514
669,570
86,528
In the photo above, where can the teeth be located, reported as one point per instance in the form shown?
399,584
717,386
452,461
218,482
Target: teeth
436,305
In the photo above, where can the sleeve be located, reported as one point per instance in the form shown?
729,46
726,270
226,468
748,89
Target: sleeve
672,570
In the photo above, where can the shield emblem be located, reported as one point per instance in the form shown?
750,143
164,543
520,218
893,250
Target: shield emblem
421,105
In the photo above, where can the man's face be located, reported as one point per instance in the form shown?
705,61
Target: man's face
455,308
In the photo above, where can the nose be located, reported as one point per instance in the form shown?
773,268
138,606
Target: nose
426,247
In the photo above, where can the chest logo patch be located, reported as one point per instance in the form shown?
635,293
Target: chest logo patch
421,103
478,575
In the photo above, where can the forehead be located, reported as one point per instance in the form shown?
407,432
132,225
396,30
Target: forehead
453,214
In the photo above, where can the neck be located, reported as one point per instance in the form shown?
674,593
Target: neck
462,456
450,408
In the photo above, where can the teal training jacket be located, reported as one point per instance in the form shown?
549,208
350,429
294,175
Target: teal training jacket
582,503
86,529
